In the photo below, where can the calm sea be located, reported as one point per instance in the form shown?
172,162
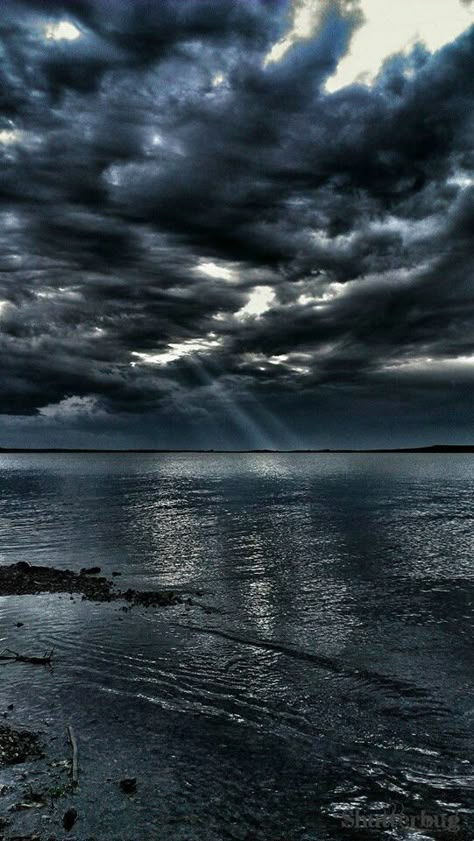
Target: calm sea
332,680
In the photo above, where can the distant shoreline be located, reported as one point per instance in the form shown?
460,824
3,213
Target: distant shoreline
437,448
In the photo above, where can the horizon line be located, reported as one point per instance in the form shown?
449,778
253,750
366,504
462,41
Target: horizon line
433,448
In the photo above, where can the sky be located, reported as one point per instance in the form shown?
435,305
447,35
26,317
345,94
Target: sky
236,223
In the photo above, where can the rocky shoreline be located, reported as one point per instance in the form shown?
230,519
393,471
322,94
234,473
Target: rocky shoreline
21,747
27,750
25,579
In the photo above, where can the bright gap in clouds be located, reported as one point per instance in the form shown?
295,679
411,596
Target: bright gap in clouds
394,26
62,30
217,271
9,136
436,365
176,350
389,27
306,17
260,300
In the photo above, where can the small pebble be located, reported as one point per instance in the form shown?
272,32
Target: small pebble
129,785
69,819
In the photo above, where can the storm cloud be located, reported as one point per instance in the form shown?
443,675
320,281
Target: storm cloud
199,246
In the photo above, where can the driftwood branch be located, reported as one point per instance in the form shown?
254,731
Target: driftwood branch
74,766
13,656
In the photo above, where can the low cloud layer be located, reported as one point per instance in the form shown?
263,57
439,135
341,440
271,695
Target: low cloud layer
202,247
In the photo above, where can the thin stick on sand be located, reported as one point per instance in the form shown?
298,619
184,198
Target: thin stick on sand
74,768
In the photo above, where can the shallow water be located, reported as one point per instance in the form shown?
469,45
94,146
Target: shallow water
336,674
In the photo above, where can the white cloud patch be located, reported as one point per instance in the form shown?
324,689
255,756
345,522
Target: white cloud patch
9,136
73,409
217,270
435,365
389,27
217,80
62,30
259,302
323,296
176,350
462,179
307,15
298,363
394,26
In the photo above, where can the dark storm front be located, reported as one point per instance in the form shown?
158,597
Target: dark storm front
329,688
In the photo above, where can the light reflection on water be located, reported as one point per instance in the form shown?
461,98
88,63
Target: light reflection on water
344,586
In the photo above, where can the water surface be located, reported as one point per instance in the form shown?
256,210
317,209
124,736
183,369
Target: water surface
337,669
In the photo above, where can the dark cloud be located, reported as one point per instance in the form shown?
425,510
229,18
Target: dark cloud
156,173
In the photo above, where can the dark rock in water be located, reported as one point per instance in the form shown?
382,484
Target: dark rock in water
22,579
129,785
23,566
20,624
69,819
39,579
151,598
114,574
